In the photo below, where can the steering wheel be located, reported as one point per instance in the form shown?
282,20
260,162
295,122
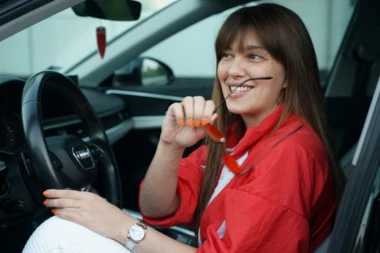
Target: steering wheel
68,161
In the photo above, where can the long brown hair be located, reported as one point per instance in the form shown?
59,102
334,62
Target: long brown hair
285,37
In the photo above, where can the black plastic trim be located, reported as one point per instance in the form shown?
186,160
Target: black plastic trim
15,8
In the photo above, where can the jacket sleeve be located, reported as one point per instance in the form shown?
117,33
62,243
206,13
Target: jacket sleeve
270,209
188,186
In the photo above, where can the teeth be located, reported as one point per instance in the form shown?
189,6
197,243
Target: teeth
240,89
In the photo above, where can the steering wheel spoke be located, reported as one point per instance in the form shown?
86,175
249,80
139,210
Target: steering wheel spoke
72,161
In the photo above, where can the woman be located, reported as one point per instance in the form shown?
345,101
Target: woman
282,194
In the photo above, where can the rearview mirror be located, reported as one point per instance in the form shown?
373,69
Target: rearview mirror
119,10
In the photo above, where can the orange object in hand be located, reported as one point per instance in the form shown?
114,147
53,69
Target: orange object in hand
214,133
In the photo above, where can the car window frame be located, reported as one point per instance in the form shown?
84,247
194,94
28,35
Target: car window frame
30,14
358,190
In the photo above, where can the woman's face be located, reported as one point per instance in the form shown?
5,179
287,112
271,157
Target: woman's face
254,100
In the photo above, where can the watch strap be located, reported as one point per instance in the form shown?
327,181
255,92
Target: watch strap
130,244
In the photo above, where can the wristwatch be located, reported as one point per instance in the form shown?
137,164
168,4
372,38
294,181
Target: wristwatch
135,235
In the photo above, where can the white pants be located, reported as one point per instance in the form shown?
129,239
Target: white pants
56,235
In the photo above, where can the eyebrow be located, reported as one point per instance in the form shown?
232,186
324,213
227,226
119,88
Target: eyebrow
252,47
248,48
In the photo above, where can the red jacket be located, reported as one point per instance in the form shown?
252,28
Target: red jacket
283,203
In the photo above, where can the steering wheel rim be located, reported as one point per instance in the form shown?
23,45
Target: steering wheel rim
45,172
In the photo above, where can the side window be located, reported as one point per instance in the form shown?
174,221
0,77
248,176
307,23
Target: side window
326,22
190,52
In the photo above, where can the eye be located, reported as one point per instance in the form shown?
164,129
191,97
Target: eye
226,55
255,56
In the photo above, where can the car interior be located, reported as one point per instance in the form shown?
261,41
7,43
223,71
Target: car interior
117,120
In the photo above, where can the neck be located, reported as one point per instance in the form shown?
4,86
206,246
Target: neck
253,120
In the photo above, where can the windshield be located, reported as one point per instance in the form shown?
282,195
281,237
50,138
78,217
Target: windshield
62,40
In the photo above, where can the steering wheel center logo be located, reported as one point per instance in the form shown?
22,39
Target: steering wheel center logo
83,156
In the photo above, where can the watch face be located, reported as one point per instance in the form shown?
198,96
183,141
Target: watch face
137,233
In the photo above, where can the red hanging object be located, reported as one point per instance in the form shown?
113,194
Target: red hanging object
101,40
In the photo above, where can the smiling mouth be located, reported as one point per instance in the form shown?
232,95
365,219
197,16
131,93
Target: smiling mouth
240,88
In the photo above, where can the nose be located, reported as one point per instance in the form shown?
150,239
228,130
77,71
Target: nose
236,68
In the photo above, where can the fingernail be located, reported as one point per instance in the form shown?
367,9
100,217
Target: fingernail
190,123
197,123
45,203
204,122
54,211
181,123
46,193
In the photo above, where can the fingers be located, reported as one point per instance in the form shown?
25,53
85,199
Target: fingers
178,113
209,110
60,200
52,193
194,111
64,202
66,198
199,106
61,203
71,214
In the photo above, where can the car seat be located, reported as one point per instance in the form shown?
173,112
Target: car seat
346,165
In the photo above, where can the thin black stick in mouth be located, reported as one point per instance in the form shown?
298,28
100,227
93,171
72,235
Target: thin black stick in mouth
240,84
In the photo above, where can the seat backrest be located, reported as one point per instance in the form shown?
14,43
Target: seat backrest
322,248
346,165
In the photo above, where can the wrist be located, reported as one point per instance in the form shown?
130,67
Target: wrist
136,234
124,226
172,148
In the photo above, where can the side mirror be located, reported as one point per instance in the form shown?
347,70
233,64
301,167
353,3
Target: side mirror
144,71
119,10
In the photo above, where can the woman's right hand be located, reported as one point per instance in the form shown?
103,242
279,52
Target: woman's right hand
182,127
184,122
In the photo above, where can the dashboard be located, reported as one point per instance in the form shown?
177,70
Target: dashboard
11,131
